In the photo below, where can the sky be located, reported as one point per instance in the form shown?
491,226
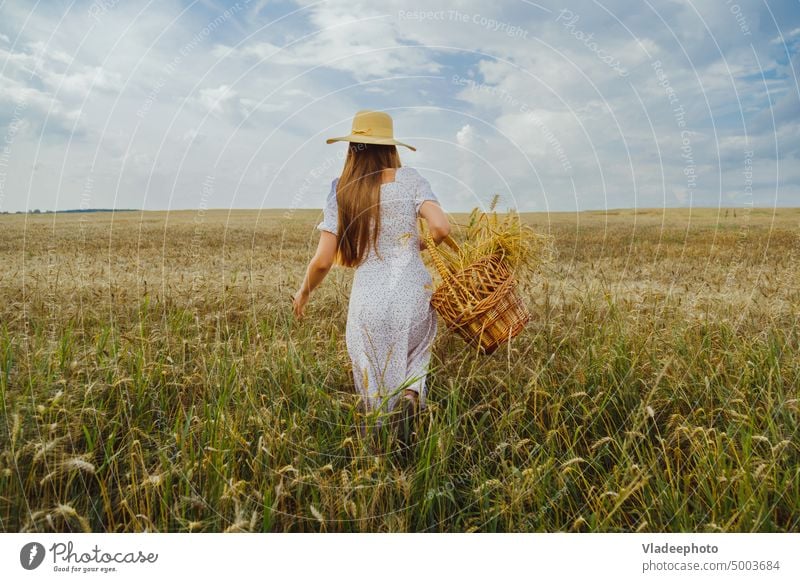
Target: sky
556,106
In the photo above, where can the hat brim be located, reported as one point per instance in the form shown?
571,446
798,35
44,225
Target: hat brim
370,139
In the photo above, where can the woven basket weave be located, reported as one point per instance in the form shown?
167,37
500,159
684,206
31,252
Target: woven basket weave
479,302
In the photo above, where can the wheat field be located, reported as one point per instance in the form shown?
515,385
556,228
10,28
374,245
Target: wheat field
153,379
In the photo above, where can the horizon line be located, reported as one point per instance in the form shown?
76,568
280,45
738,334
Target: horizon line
609,209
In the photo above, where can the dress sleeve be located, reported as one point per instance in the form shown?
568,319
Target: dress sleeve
330,214
422,190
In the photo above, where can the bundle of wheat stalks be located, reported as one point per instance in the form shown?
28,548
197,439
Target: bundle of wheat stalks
523,250
477,296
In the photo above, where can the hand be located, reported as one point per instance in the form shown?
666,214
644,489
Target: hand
299,301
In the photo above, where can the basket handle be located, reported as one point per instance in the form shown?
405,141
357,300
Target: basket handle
444,272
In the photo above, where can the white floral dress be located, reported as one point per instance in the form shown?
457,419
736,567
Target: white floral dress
391,324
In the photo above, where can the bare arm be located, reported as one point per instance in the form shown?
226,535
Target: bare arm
438,224
321,262
317,270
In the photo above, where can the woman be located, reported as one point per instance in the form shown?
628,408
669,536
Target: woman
370,223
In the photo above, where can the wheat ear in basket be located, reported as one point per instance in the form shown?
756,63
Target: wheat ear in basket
480,302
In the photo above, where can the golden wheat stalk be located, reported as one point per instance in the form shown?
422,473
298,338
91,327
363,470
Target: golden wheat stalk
522,249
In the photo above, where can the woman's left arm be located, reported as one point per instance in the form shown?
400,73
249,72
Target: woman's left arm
317,270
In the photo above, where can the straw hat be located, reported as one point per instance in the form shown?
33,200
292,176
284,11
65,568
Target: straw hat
371,127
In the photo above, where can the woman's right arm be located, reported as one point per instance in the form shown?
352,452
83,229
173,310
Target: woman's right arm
438,224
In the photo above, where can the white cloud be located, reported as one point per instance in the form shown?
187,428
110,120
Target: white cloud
527,114
466,137
214,99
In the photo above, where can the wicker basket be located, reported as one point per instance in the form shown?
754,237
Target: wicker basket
479,302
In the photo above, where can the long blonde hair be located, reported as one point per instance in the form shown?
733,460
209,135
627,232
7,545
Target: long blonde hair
358,199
